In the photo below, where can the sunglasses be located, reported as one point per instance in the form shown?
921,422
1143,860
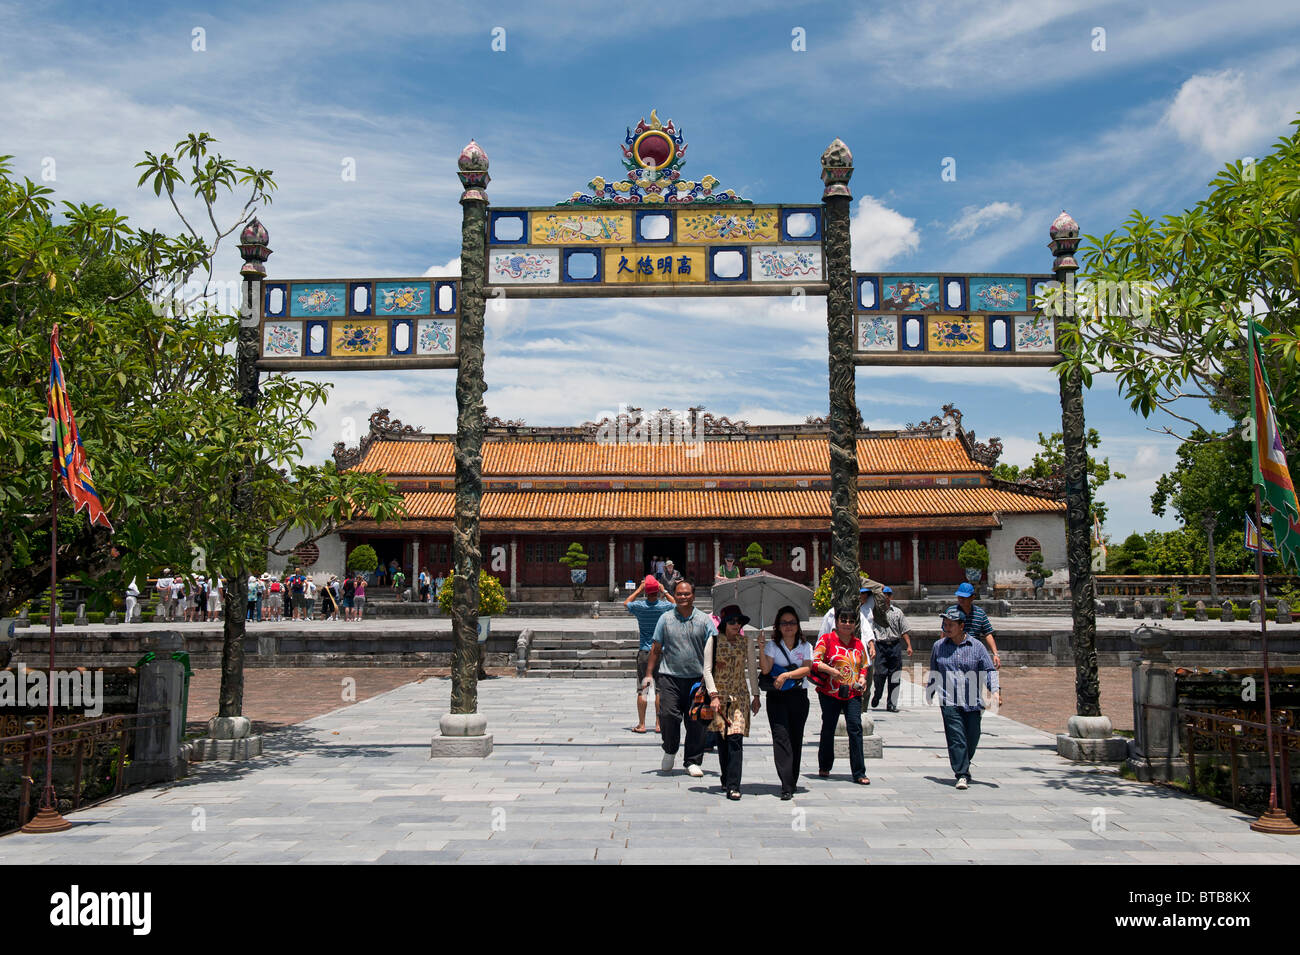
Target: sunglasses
788,623
845,619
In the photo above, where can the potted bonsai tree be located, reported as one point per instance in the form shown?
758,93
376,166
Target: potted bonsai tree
363,559
576,559
1036,572
974,559
754,561
491,600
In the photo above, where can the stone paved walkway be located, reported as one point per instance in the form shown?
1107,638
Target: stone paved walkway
569,782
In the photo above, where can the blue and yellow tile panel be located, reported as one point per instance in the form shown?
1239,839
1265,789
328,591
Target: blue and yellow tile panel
359,318
945,314
683,246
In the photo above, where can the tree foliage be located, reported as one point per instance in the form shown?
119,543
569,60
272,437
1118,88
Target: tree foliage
1180,350
151,378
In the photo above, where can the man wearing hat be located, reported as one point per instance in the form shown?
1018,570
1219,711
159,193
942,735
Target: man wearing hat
956,662
977,621
890,638
647,612
729,569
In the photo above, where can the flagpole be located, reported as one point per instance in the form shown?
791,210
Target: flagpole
49,819
1273,820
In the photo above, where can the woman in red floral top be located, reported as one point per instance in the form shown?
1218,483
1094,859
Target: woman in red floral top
840,665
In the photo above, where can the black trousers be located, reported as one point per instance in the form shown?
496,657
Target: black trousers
831,710
888,668
731,756
675,692
787,714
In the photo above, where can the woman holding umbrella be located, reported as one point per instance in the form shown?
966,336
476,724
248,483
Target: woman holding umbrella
731,679
840,665
786,660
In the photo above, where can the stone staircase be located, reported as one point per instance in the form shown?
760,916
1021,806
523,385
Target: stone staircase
1040,608
604,654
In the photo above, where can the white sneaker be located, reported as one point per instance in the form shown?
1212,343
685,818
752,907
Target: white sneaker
695,770
962,783
667,765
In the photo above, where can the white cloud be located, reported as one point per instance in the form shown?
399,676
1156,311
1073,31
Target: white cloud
1216,112
880,235
973,218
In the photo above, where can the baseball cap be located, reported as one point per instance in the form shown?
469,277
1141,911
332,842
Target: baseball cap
965,590
651,585
887,590
952,613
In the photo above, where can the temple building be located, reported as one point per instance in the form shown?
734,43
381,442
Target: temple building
694,488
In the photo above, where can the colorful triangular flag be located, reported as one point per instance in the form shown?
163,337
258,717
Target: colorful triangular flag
71,468
1253,539
1268,460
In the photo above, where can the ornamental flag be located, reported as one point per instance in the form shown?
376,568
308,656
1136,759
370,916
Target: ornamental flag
1253,539
70,464
1268,458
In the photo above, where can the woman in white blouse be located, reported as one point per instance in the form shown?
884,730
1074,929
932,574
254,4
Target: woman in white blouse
786,659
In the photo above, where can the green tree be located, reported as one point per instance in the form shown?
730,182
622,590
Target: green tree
363,558
1178,345
1050,460
151,378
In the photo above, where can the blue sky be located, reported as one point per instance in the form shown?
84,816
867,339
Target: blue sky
1036,117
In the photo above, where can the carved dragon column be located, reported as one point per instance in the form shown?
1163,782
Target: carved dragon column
837,170
467,559
1078,553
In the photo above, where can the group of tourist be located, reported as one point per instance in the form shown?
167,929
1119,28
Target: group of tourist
271,597
709,683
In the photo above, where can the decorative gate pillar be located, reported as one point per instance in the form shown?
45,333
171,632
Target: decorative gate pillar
613,572
916,566
817,563
717,558
415,563
837,170
514,568
464,731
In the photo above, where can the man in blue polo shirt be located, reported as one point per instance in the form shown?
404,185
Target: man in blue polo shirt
956,664
647,612
977,621
679,640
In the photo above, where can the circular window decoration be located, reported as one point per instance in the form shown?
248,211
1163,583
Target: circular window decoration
654,148
1026,547
308,554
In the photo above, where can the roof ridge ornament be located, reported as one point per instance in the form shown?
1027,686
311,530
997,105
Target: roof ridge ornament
653,155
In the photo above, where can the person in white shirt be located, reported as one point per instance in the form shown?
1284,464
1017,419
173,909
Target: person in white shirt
178,597
164,588
132,599
216,591
787,658
309,592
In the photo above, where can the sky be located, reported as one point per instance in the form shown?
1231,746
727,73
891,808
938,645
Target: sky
362,109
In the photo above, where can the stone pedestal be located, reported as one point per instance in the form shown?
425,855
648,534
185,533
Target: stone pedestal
229,737
1154,752
1088,739
1254,611
81,620
1226,614
462,734
1201,612
23,620
1283,611
1176,611
1139,610
157,754
873,747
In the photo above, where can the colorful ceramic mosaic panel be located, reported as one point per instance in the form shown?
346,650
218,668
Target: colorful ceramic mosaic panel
1035,333
950,333
655,265
877,333
718,226
317,300
786,263
581,228
435,336
524,267
282,340
999,294
358,338
910,293
403,298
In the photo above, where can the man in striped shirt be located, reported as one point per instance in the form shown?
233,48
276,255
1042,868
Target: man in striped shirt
977,621
956,664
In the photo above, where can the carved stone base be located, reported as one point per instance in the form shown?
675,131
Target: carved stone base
229,737
1157,770
462,734
873,747
1111,750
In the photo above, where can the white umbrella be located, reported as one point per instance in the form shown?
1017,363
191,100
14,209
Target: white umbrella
761,595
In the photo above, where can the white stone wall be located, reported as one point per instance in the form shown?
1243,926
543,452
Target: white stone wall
330,561
1049,529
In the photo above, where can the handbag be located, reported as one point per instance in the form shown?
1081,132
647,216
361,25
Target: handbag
767,681
701,707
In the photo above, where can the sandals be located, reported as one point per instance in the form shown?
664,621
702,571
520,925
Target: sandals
733,794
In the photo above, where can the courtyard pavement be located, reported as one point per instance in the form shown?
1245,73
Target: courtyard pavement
569,782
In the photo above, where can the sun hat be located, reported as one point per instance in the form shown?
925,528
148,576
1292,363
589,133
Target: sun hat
732,612
965,590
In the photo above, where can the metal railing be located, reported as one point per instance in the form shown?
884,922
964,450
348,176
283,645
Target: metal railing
74,742
1235,737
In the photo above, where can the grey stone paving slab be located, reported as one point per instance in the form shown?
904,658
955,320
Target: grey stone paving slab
568,783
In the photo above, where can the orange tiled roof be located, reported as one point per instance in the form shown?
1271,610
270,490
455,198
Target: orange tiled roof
728,505
793,456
